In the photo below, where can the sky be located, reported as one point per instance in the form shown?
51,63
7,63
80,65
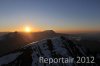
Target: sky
58,15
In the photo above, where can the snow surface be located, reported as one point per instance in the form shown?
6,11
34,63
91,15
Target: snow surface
42,49
9,58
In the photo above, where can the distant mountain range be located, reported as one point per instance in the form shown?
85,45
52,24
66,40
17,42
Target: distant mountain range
56,47
10,41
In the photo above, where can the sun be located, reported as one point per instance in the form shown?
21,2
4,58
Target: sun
28,29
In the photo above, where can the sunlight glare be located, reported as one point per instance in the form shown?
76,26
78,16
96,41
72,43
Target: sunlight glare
27,29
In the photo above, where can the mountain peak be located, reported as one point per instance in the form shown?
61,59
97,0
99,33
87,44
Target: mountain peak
57,47
49,31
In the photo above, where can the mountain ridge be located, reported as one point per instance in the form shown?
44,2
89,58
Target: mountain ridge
15,40
48,48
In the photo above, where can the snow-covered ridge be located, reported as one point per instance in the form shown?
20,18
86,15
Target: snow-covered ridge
9,58
48,48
